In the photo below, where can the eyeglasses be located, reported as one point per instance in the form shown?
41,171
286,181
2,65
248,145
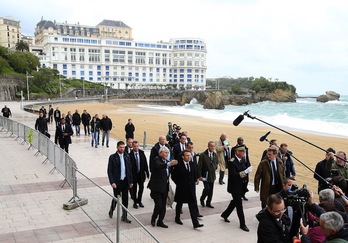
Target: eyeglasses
277,213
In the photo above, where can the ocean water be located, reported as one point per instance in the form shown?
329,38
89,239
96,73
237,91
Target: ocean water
305,115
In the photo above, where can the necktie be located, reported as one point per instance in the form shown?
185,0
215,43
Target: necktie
274,172
138,161
63,128
182,147
211,157
123,168
187,167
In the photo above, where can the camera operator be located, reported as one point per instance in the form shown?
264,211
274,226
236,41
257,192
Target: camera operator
298,203
273,223
340,165
323,169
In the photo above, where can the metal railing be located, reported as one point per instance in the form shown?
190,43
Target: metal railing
99,199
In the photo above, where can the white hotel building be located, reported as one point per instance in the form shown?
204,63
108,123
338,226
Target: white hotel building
108,54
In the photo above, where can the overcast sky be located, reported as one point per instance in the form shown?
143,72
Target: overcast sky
302,42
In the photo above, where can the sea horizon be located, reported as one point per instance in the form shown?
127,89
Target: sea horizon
305,115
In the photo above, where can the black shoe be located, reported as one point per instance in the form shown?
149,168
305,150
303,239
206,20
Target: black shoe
225,219
141,205
178,221
153,222
199,216
209,206
161,224
244,198
245,228
124,219
202,203
198,226
110,213
221,182
135,205
181,212
107,146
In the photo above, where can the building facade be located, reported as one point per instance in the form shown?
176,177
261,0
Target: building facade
108,54
10,32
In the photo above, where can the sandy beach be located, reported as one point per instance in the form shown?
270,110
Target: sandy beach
154,123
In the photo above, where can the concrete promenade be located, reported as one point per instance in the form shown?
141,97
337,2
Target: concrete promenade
31,198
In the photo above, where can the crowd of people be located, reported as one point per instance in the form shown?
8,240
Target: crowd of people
287,211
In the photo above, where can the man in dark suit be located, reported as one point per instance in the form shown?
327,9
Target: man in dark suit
63,135
120,178
184,175
159,185
240,141
179,148
207,165
237,170
155,150
140,171
129,146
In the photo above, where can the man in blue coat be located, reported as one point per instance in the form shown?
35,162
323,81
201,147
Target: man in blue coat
120,178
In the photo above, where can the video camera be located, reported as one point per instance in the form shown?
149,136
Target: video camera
294,194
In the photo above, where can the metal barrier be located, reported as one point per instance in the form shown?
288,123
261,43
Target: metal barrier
99,199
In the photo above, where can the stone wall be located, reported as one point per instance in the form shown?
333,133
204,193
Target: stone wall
10,86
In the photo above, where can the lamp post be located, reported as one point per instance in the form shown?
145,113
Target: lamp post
28,83
83,88
60,86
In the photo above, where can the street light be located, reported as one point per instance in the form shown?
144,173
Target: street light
28,83
60,87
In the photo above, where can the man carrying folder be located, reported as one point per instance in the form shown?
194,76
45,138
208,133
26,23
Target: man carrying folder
207,165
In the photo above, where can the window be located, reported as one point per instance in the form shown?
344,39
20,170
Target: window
158,58
182,63
140,57
94,55
130,57
118,56
90,73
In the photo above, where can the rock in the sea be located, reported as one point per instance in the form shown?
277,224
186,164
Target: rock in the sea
214,101
328,96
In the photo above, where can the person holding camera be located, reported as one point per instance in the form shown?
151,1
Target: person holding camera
340,165
323,169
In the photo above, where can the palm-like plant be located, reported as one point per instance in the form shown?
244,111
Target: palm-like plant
22,46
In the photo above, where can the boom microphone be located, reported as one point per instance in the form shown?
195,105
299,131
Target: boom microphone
263,138
238,120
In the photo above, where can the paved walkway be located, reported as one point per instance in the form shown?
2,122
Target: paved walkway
31,199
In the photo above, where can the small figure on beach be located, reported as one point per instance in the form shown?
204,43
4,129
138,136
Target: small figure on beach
129,129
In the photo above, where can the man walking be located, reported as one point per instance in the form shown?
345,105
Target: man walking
140,172
207,165
185,177
120,178
63,135
105,126
159,185
237,170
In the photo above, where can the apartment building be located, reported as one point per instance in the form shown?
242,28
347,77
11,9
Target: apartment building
10,32
107,53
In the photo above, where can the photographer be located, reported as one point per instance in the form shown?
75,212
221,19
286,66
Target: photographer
340,165
323,169
298,203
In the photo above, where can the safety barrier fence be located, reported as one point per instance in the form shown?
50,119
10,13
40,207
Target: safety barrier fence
99,199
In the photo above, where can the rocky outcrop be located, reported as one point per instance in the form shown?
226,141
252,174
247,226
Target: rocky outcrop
328,96
214,101
10,87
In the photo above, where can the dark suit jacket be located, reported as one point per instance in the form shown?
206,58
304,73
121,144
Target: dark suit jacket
144,169
159,178
206,165
177,151
235,181
59,134
154,153
114,169
185,182
126,149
